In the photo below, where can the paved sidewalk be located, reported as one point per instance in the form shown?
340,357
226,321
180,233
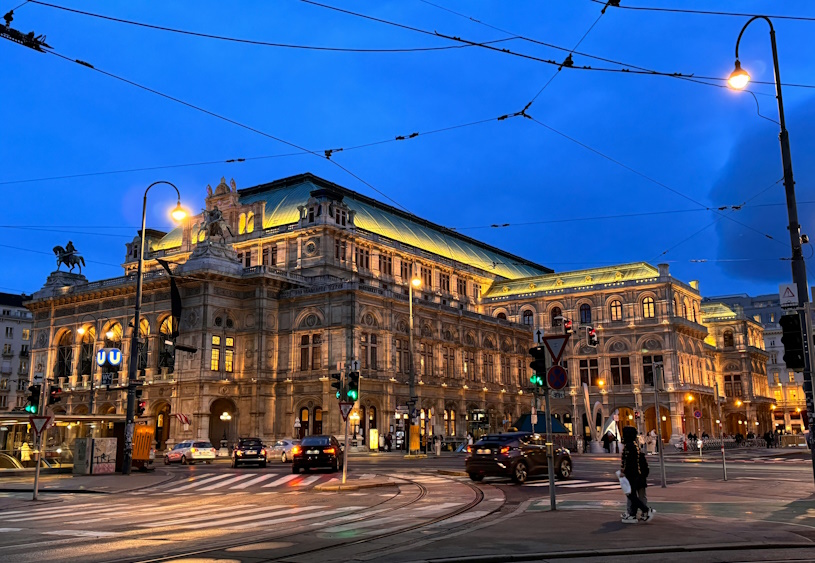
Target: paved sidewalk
101,484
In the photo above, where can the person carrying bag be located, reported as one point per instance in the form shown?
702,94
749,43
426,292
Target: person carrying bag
633,476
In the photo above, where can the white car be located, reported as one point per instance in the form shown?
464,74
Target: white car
189,452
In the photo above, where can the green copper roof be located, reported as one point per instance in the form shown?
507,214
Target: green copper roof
284,196
717,311
575,279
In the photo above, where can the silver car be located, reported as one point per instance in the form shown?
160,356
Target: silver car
282,449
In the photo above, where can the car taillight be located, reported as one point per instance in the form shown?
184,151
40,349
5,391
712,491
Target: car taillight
469,449
295,450
263,452
328,451
505,449
238,452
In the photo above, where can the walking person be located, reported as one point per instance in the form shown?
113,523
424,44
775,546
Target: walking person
634,467
388,441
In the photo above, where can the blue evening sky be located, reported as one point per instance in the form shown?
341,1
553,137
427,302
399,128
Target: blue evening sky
707,143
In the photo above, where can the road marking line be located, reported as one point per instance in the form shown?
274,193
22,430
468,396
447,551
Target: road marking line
227,482
440,506
367,476
83,533
182,521
9,530
206,480
582,485
307,481
253,481
280,481
461,518
63,513
271,520
546,483
45,509
295,518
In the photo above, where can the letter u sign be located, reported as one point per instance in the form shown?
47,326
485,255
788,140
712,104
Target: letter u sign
114,356
101,357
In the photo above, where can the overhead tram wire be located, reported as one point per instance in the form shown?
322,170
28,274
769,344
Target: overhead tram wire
703,12
229,120
253,41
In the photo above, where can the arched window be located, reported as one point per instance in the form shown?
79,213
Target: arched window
648,308
502,316
556,316
86,359
113,339
450,422
303,430
686,308
528,317
676,307
728,339
65,355
242,223
165,352
585,314
616,310
695,312
250,222
144,339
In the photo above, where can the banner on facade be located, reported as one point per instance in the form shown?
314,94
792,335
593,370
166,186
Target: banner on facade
182,418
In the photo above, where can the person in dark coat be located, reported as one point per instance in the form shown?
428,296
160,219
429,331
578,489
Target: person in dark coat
635,468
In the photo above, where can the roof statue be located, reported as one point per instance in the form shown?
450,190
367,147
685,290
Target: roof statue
214,224
69,256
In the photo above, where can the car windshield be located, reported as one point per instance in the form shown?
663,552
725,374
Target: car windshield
279,443
202,445
315,441
251,443
498,439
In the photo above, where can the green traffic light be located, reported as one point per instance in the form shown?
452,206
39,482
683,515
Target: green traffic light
352,394
338,394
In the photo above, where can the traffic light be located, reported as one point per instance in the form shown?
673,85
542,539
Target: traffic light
140,407
353,385
591,337
793,341
538,365
567,326
337,383
54,395
33,405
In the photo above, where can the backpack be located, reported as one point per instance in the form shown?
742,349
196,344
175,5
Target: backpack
644,469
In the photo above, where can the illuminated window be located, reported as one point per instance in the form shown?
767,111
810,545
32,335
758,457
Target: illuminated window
26,334
215,358
65,354
616,310
86,358
229,354
250,222
648,307
426,366
728,339
165,351
242,224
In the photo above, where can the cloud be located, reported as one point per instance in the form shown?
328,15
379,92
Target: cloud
754,164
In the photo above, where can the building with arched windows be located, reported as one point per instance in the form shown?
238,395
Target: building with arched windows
311,276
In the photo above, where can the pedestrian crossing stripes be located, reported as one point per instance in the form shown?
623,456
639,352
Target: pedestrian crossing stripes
577,484
219,483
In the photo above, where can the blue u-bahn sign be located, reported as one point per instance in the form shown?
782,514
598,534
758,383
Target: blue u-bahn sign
111,357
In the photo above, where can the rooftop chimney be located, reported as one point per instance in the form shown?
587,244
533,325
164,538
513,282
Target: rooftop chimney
663,269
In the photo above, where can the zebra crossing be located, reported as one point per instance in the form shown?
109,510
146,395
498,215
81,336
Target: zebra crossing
576,485
219,483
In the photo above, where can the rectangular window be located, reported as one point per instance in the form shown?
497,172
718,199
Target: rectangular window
461,287
505,369
469,364
522,381
373,351
363,258
215,359
405,270
316,351
3,401
26,334
448,361
363,351
386,265
427,278
621,371
489,367
228,357
476,290
270,255
589,373
444,282
7,350
245,258
9,332
4,384
648,368
340,247
427,359
339,217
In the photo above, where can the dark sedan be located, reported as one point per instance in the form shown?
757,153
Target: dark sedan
316,451
514,454
249,450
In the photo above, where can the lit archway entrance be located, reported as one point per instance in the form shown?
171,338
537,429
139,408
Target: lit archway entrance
318,420
162,426
223,421
626,418
665,416
302,432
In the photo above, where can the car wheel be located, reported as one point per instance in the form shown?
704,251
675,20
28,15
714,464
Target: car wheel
183,460
564,469
335,467
306,469
166,460
476,476
295,469
520,473
283,458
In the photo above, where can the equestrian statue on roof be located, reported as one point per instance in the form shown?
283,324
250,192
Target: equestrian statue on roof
69,256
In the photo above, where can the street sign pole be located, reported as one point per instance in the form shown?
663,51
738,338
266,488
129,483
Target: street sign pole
345,454
44,394
658,376
550,452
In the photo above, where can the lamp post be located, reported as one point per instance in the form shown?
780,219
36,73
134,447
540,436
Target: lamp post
601,383
414,282
738,80
178,214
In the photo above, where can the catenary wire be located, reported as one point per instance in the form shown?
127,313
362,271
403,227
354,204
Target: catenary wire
703,12
229,120
252,41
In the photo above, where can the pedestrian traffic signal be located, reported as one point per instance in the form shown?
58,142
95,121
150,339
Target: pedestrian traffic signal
353,385
793,340
536,380
567,326
591,337
54,395
140,407
337,383
33,405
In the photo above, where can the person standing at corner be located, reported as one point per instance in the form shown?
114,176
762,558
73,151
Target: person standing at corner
635,468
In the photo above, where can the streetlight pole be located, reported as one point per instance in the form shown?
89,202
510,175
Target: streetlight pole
178,214
414,281
658,376
613,408
739,79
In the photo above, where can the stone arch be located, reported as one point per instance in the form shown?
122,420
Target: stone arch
506,346
470,338
370,317
614,297
401,324
651,342
221,431
309,319
161,415
501,311
223,318
732,366
80,409
617,345
60,334
106,408
489,343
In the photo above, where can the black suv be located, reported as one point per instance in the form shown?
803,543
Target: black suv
514,454
249,450
316,451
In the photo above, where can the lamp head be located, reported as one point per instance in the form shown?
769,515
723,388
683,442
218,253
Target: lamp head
178,213
416,282
81,330
738,78
110,334
600,382
689,397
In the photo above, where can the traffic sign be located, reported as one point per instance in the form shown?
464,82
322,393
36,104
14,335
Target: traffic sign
345,408
556,377
788,292
38,378
556,344
107,378
697,413
40,423
538,335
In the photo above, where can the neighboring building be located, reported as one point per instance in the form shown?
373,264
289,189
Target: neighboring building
786,386
310,275
16,323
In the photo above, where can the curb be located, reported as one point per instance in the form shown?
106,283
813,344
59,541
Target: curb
353,486
452,473
540,556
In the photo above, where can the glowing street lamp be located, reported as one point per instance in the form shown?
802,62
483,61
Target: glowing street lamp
738,78
415,282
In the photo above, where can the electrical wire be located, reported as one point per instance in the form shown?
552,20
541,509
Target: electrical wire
51,254
45,229
702,12
229,120
255,42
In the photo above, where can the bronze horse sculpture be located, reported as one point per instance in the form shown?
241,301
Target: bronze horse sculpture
69,257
